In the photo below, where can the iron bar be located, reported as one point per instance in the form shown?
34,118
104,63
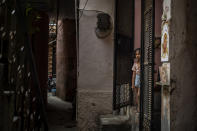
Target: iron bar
23,24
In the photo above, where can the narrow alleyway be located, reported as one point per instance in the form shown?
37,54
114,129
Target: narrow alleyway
59,114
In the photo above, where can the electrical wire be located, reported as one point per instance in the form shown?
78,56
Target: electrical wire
83,9
92,10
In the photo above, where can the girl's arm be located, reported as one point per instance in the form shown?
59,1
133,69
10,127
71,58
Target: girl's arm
133,79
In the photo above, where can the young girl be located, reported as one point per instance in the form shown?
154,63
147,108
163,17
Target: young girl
136,76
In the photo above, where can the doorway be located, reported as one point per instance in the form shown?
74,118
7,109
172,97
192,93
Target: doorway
61,106
124,41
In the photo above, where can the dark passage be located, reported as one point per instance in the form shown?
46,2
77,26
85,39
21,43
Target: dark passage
59,114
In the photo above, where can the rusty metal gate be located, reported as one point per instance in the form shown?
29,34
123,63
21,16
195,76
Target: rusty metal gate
20,94
147,65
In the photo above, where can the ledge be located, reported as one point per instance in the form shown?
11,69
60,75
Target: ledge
162,84
113,119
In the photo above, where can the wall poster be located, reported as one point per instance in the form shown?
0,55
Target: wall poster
165,43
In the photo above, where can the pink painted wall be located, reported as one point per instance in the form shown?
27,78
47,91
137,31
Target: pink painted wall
137,28
158,14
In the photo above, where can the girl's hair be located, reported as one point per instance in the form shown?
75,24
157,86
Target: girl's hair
134,54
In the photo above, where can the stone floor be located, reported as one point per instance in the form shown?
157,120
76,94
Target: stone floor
59,114
115,123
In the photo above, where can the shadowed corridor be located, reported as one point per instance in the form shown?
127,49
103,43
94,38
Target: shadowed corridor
59,114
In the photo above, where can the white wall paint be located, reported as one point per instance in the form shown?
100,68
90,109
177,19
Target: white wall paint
106,6
95,55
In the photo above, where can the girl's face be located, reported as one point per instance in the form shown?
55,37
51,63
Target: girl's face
137,54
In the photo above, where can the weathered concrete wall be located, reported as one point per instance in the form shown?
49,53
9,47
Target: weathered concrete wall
66,60
95,80
90,106
183,58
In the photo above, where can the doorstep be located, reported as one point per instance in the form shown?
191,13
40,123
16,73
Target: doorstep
114,123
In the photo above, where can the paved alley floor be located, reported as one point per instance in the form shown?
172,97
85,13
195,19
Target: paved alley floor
59,114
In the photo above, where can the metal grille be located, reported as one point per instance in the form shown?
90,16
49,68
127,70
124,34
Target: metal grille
26,112
123,57
122,97
147,66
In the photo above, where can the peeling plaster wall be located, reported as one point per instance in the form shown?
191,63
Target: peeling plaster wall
183,58
95,80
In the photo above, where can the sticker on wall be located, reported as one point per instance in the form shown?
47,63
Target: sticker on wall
165,73
165,43
166,10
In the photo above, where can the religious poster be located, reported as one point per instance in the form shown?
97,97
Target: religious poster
164,71
166,10
165,43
